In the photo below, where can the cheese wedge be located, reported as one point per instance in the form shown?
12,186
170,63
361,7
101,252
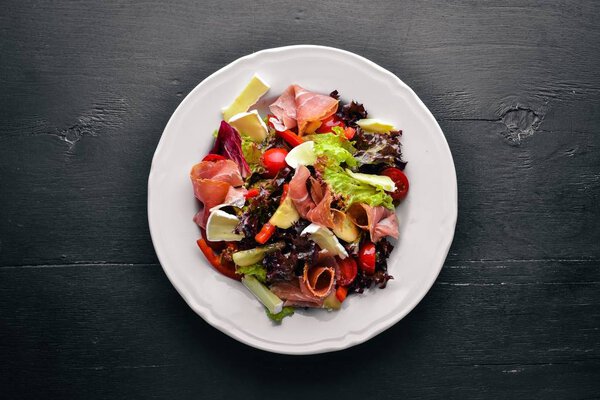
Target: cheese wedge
375,125
253,91
250,123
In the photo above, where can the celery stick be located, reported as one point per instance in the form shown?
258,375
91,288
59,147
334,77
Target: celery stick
273,303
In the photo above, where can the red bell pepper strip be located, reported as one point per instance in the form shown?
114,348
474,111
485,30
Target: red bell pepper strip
341,293
286,188
215,261
265,233
349,132
291,138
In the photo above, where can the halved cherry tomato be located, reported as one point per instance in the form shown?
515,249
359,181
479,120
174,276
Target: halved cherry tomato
213,157
329,122
341,293
252,193
274,160
366,258
215,260
348,271
400,180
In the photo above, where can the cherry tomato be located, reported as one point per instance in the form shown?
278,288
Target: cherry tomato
274,160
366,258
400,180
348,271
329,123
213,157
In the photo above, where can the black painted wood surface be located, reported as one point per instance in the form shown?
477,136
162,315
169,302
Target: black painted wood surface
86,89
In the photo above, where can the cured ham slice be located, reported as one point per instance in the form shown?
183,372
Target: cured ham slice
379,221
214,183
284,108
210,193
298,106
236,196
220,170
293,296
321,195
298,191
314,206
317,281
312,107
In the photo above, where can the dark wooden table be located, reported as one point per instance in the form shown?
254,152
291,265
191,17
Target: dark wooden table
86,89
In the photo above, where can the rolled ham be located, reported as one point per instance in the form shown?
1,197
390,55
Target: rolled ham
318,280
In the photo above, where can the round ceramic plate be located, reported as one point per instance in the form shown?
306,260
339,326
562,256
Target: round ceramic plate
427,217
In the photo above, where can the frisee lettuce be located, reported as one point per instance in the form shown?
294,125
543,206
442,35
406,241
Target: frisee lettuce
256,270
252,154
335,147
355,191
285,312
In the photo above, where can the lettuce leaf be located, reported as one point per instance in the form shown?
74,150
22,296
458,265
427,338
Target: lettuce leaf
229,145
256,270
355,191
285,312
379,148
335,147
252,153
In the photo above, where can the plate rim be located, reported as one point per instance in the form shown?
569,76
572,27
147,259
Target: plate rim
317,347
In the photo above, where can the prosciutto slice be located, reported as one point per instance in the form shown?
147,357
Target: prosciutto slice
214,183
379,221
220,170
284,108
297,107
321,195
294,296
314,206
298,191
317,280
210,193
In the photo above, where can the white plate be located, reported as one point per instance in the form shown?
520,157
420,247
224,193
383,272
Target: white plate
427,217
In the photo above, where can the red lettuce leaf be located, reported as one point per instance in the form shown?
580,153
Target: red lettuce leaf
229,145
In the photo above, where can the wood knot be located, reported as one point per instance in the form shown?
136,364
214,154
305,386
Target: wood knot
521,123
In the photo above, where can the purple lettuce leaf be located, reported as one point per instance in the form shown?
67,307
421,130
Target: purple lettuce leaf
229,145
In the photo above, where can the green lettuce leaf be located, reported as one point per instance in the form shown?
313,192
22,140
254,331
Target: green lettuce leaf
355,191
335,147
285,312
252,153
256,270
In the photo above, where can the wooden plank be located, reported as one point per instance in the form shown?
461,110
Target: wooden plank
513,328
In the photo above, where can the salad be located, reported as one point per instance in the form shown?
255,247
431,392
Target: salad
298,204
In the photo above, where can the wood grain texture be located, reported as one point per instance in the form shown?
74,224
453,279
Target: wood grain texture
486,330
86,89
